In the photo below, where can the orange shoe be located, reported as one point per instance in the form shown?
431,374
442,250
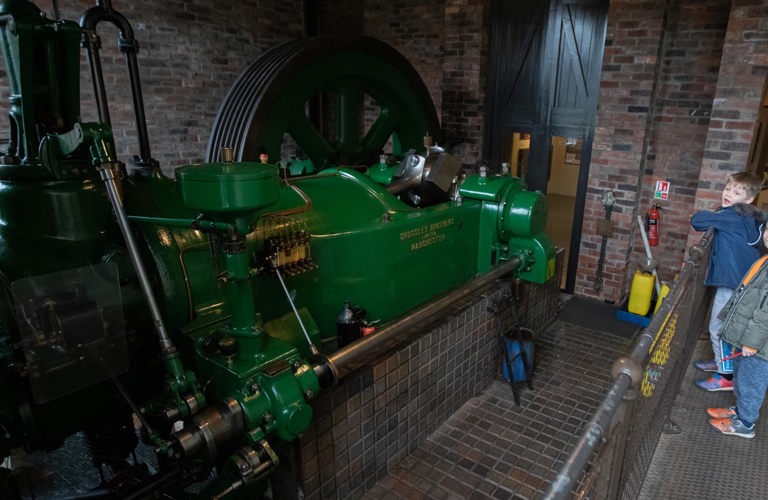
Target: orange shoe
721,412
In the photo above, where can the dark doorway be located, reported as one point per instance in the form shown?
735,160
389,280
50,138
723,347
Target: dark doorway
544,75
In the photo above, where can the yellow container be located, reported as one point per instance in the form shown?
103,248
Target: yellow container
640,294
662,293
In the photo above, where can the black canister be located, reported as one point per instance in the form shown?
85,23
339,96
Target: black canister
347,325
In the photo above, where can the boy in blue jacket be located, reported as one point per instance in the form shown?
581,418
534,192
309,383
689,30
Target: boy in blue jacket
735,246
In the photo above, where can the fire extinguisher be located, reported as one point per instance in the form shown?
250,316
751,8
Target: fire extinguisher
652,225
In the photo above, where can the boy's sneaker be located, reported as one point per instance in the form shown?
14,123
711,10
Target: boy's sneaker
722,412
715,383
733,427
706,366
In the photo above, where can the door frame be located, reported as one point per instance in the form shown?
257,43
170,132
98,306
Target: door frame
526,56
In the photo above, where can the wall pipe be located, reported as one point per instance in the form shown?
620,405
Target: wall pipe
103,11
649,255
341,363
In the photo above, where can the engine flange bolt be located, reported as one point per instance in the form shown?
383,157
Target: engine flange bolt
171,414
228,346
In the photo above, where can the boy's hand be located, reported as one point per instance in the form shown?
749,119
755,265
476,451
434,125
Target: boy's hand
748,351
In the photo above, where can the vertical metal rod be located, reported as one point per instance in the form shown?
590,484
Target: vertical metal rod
130,47
312,347
91,42
106,171
648,253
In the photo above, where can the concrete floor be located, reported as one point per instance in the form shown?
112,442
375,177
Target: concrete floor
694,461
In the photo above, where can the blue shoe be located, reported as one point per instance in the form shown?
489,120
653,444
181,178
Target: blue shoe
733,426
706,366
715,383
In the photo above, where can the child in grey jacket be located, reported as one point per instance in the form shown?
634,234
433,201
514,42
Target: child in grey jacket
745,325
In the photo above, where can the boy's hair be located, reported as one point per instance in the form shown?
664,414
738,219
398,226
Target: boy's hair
749,180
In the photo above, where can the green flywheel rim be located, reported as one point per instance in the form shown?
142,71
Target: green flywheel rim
295,87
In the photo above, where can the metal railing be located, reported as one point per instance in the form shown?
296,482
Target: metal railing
605,463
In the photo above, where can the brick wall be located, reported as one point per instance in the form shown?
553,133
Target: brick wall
656,97
446,41
192,51
416,31
740,82
632,40
465,63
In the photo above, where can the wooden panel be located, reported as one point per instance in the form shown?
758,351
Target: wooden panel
544,65
581,34
544,73
517,42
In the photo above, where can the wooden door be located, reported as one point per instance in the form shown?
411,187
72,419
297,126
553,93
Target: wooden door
545,60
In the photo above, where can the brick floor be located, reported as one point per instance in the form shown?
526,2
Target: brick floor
492,448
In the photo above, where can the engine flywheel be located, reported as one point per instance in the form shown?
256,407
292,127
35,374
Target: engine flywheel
334,101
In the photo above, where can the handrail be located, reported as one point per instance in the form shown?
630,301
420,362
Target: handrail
330,369
627,373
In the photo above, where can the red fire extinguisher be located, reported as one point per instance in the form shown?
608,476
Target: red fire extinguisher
652,225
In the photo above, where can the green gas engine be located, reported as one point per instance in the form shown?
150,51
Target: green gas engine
200,314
